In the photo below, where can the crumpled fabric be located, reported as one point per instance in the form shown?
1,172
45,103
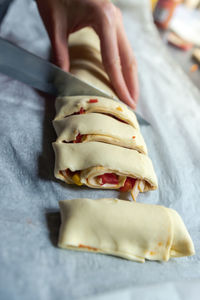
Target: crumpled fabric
32,267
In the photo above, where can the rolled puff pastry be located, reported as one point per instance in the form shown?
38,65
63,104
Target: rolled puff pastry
94,159
100,128
66,106
130,230
85,59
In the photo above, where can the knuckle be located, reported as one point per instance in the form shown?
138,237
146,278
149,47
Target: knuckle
131,63
108,12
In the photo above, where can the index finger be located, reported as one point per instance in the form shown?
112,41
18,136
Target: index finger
111,59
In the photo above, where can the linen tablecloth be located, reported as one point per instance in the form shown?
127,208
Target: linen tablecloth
31,265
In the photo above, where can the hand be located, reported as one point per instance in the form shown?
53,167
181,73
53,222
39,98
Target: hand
62,17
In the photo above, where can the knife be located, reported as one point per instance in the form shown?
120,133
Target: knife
26,67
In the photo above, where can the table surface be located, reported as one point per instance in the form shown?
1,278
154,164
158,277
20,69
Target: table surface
31,265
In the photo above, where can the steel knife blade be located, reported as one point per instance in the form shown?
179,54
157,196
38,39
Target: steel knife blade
30,69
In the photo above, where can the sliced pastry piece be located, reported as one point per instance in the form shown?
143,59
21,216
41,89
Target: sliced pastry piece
126,229
73,105
105,166
100,128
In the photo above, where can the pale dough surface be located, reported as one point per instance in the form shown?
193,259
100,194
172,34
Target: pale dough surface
99,127
69,105
85,60
131,230
83,156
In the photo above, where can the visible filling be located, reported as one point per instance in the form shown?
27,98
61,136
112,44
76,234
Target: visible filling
74,176
130,185
82,111
87,247
110,178
79,139
93,101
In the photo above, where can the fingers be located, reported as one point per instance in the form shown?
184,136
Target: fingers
128,62
60,51
110,54
63,17
54,18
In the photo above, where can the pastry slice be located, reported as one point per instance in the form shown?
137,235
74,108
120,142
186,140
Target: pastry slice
101,128
126,229
73,105
105,166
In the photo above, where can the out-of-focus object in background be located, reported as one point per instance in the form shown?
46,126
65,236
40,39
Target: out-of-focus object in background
153,4
191,3
186,24
178,42
196,54
164,11
194,68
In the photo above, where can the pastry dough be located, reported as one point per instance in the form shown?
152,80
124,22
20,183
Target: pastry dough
66,106
101,128
93,159
130,230
99,142
85,60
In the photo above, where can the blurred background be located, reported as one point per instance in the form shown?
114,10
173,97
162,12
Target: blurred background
178,23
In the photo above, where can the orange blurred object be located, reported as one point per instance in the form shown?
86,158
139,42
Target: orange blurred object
194,68
164,11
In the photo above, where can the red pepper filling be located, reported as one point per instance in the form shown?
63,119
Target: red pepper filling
80,112
68,171
78,138
93,101
87,247
128,184
109,178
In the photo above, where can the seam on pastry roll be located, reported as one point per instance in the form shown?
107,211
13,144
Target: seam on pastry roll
101,128
93,159
66,106
145,231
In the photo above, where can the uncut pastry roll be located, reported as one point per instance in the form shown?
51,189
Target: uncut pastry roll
100,128
73,105
126,229
105,166
86,61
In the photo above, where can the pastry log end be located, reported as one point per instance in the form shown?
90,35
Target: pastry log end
182,244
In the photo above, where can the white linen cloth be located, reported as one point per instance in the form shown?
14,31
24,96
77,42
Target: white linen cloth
31,266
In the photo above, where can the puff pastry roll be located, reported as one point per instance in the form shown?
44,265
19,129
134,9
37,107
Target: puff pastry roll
105,166
85,59
130,230
69,105
100,128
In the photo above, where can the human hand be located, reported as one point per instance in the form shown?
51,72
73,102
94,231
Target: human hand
62,17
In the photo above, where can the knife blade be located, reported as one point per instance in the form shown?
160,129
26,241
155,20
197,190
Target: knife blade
30,69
